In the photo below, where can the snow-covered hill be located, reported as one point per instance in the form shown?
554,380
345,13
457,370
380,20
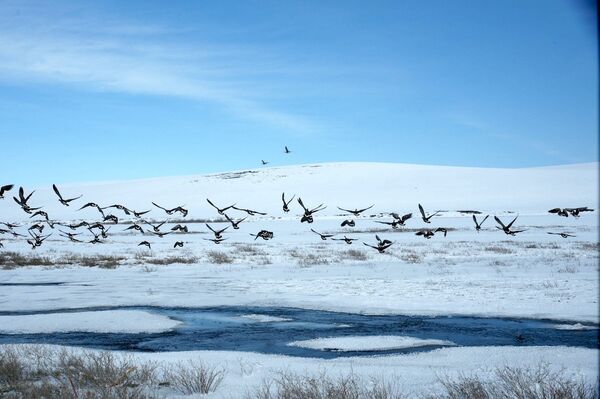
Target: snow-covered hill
397,187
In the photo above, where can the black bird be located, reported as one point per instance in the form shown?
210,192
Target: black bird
264,162
139,214
146,243
394,223
506,228
156,227
424,216
380,247
217,233
36,240
37,226
73,226
286,150
120,207
135,226
323,236
215,240
349,223
40,213
93,205
428,233
63,201
382,242
477,224
345,239
355,212
70,236
96,225
400,220
178,244
179,209
563,235
220,211
575,211
160,233
181,228
9,225
103,232
111,218
249,211
23,199
308,213
560,212
264,234
286,204
96,239
235,225
4,189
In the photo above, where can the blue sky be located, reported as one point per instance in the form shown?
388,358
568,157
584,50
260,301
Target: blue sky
106,90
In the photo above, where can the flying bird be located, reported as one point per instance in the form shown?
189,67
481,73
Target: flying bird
93,205
215,240
506,228
560,212
139,214
264,162
120,207
264,234
217,233
179,227
146,243
286,204
62,200
135,226
179,209
111,218
287,151
349,223
308,213
323,236
394,223
563,235
345,239
4,189
178,244
249,211
424,216
477,224
220,211
400,220
379,247
355,212
235,225
575,211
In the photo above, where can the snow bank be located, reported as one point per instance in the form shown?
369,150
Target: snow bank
109,321
368,343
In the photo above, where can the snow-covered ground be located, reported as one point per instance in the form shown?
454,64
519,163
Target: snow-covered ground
533,274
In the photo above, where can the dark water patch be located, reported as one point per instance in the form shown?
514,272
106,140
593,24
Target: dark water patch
269,330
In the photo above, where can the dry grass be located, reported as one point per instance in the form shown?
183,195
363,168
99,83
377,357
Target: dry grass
352,254
219,257
322,386
169,260
305,258
518,383
499,250
194,377
410,256
11,260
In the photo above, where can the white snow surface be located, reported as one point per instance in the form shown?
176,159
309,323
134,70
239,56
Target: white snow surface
263,318
106,321
368,343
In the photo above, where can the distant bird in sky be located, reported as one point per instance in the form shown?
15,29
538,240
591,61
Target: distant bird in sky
235,225
323,236
379,247
4,189
395,223
428,233
93,205
287,151
70,236
264,162
382,242
264,234
355,212
348,222
146,243
220,211
575,211
135,226
111,218
178,244
62,200
559,212
347,240
180,228
217,233
120,207
155,227
286,204
139,214
401,219
249,211
563,235
506,228
424,216
477,224
179,209
161,234
215,240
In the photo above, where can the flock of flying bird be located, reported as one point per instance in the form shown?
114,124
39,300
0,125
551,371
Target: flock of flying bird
99,229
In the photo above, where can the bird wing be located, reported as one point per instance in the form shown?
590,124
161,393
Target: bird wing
210,228
406,217
370,245
158,206
554,210
484,219
6,188
511,223
56,191
345,210
422,211
499,222
302,204
475,220
222,230
364,209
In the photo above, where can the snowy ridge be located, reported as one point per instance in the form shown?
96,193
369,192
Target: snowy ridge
397,187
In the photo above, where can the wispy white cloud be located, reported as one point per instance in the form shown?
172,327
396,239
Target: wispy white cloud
138,59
